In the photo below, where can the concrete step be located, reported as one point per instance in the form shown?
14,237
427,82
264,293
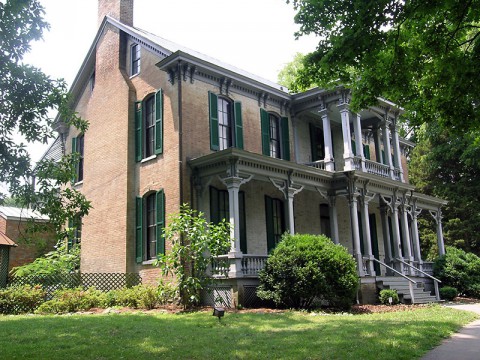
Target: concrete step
401,285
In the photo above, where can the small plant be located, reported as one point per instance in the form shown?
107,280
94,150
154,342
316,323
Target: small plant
20,299
448,293
389,297
72,300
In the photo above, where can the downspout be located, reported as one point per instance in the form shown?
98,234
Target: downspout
180,132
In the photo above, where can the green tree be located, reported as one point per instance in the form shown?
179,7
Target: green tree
421,54
447,165
27,97
194,244
289,73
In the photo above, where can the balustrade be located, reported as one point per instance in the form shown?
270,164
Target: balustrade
251,265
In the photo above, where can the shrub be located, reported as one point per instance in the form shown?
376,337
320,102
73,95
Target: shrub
460,270
21,299
72,300
448,293
303,268
385,296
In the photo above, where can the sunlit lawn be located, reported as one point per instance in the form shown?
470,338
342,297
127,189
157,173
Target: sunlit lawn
289,335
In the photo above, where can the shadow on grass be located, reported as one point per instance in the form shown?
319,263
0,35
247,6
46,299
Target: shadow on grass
404,335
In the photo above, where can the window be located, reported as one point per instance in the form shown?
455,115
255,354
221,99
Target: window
317,143
78,147
226,128
325,220
149,126
76,236
275,220
135,59
219,210
275,135
149,224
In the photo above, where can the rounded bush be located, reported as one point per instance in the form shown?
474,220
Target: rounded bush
448,293
460,270
385,296
305,268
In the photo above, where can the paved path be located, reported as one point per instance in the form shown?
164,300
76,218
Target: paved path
464,345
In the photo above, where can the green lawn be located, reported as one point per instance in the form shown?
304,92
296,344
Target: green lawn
289,335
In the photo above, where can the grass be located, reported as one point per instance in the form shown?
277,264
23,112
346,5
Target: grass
289,335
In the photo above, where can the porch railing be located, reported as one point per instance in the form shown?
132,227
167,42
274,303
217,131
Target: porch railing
320,164
427,267
220,266
435,280
376,168
252,264
410,281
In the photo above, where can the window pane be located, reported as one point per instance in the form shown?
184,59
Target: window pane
274,137
150,126
225,123
151,225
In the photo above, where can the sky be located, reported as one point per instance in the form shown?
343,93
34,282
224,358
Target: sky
254,35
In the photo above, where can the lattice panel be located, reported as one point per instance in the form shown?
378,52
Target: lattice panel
218,295
251,300
4,254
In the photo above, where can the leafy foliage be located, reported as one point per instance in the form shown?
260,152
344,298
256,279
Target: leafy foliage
423,55
20,299
288,74
56,262
447,165
305,267
385,296
194,243
460,270
27,97
448,293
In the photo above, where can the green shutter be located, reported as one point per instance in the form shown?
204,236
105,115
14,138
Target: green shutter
159,122
213,113
160,221
243,222
70,234
366,151
238,125
269,223
285,139
354,147
265,126
139,230
138,131
74,150
214,213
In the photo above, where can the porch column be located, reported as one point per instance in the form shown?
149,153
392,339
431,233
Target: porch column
367,239
407,249
347,138
397,249
291,217
437,215
333,219
327,139
396,150
352,196
386,235
377,141
357,129
386,147
415,236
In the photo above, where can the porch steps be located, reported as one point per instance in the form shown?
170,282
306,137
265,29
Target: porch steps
421,296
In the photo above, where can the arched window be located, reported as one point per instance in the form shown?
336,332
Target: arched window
149,126
275,135
226,128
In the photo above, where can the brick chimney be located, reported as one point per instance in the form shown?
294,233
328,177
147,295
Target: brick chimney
121,10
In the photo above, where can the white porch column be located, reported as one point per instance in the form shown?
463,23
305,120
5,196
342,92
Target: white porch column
407,249
233,186
367,239
357,253
333,219
377,140
396,150
347,138
327,139
387,148
386,235
437,215
291,218
415,236
397,249
357,129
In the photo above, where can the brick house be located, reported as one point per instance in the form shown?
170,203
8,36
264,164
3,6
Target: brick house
17,246
169,125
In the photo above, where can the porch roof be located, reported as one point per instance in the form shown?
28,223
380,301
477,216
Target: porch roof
5,240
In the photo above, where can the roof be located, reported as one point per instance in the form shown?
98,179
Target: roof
22,214
5,240
54,151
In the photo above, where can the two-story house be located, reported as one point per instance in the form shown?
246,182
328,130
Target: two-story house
169,125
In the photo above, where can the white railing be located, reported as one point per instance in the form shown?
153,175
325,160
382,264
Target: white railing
252,264
320,164
410,281
435,280
427,267
220,266
376,168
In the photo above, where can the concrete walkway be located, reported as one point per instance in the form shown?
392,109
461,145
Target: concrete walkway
464,345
